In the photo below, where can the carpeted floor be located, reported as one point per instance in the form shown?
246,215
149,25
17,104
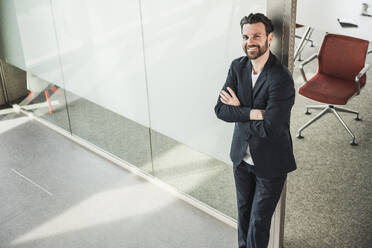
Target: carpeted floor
329,197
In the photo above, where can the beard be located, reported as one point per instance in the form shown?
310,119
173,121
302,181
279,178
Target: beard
257,53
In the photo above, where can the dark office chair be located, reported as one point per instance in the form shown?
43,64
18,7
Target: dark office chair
340,76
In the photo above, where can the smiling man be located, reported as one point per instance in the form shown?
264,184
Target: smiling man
258,97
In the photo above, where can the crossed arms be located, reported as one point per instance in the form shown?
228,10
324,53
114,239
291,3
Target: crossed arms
232,100
262,123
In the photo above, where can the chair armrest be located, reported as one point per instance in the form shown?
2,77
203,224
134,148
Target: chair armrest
360,74
311,58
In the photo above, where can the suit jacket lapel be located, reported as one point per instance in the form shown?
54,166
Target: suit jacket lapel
263,75
259,83
247,86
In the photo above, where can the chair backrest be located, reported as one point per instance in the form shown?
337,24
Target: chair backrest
342,56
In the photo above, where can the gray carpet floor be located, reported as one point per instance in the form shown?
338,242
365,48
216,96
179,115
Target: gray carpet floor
54,193
329,196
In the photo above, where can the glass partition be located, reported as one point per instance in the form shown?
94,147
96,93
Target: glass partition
101,55
189,47
85,72
46,97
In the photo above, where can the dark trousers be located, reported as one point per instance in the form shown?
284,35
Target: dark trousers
257,198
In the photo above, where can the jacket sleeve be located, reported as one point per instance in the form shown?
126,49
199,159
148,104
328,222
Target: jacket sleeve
277,112
230,113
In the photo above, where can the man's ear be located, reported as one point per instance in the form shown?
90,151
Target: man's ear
270,37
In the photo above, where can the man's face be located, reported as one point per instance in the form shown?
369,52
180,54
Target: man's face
255,41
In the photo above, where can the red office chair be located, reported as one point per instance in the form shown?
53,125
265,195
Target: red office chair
341,75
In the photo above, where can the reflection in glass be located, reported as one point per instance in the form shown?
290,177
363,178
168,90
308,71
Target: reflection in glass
46,100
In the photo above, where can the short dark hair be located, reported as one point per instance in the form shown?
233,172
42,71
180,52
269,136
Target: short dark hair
256,18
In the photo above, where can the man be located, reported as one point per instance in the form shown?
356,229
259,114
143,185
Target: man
258,96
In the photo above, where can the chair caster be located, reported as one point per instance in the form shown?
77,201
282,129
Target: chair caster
307,112
353,143
299,136
357,118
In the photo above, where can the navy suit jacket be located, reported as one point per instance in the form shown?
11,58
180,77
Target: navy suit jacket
269,140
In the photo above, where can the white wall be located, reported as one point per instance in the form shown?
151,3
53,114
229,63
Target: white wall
323,14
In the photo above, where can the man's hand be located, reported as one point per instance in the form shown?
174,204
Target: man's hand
229,99
257,114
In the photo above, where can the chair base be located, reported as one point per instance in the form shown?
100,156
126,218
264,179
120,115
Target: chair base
326,109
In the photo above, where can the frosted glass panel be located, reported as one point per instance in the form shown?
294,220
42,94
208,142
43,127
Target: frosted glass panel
40,47
46,96
102,58
101,54
189,46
